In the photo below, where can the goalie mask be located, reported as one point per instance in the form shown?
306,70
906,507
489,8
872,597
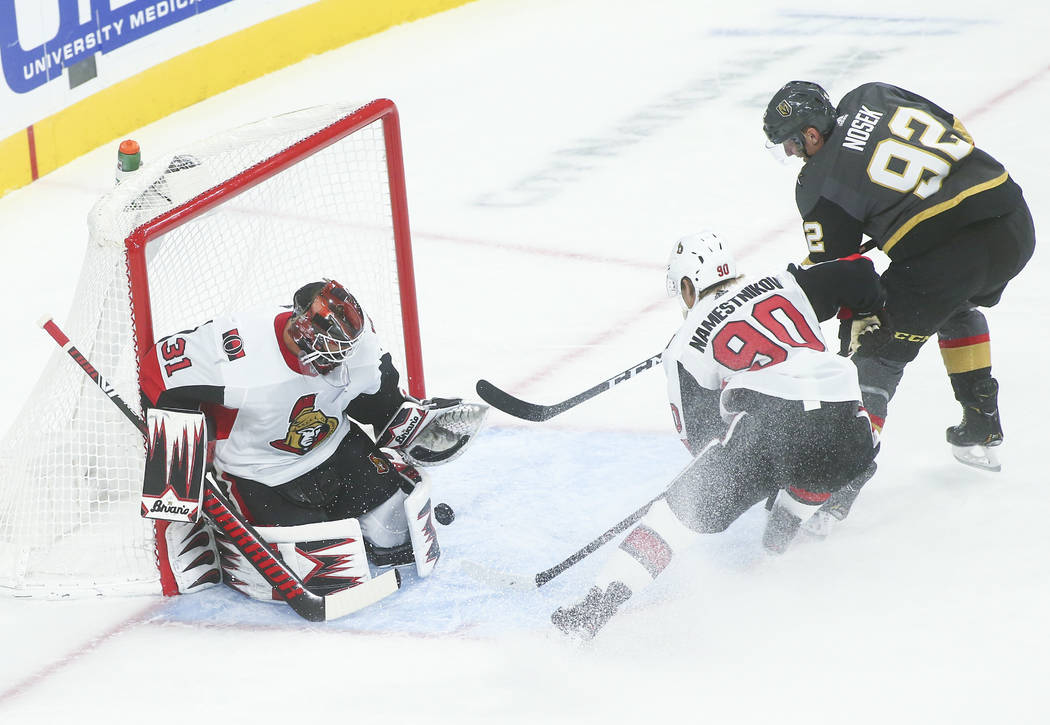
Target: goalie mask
326,324
704,260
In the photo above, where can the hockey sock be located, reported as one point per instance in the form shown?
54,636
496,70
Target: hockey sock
647,549
965,345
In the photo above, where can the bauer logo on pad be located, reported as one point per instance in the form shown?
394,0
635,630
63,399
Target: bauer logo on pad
176,453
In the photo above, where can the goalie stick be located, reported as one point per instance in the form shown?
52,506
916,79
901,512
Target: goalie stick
224,517
502,400
505,580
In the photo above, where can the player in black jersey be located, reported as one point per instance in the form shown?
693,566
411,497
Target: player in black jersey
891,165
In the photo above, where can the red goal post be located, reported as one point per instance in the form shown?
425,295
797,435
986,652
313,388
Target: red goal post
240,219
383,111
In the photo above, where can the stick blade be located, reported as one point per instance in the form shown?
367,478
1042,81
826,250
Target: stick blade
501,400
498,579
365,594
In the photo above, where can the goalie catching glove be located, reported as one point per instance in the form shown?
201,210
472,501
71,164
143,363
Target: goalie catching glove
434,431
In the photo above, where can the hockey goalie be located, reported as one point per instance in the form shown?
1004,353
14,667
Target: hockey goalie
288,395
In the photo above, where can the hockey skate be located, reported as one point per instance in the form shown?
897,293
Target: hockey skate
975,439
781,529
585,619
837,507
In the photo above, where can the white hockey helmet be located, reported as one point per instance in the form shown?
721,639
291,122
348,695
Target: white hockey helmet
704,259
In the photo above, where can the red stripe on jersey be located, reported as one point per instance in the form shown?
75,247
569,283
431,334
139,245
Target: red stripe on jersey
964,341
876,421
290,358
222,419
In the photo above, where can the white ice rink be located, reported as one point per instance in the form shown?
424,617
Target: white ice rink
554,149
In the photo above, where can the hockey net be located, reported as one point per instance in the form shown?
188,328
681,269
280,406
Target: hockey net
240,219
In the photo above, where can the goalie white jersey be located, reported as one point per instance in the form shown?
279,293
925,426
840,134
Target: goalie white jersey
762,335
272,418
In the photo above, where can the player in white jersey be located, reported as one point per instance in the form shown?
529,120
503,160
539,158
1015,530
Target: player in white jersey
767,409
287,393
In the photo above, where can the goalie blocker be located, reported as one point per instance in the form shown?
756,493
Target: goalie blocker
176,459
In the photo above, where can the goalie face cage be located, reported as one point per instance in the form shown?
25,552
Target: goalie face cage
241,219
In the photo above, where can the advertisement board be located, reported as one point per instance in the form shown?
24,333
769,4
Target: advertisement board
67,64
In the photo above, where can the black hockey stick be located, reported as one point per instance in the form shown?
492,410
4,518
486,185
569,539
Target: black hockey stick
223,516
504,580
502,400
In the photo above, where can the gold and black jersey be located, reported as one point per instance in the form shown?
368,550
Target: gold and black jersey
901,170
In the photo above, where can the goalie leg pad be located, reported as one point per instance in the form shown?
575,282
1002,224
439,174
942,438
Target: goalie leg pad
193,556
327,556
385,526
421,529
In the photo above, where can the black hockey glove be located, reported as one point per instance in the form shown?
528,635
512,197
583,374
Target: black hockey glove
871,333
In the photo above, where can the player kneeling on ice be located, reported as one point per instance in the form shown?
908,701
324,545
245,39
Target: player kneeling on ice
287,393
768,410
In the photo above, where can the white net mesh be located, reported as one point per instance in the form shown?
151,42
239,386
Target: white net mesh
70,479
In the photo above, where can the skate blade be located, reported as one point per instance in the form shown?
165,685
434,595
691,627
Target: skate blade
984,457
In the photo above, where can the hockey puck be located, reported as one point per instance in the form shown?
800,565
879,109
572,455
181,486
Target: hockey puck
444,514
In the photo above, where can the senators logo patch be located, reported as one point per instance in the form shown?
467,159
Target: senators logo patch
307,427
381,464
232,344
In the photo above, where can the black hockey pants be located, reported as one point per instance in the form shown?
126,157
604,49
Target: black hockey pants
354,480
775,444
936,292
